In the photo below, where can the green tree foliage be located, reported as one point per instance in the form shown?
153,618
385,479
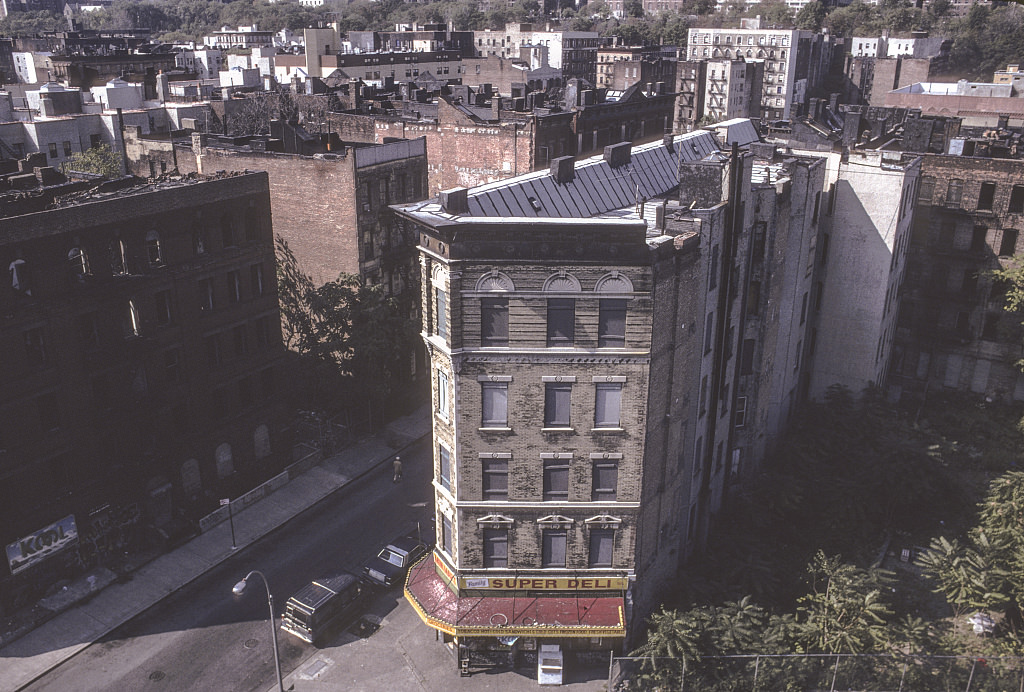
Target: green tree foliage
965,574
101,160
774,13
985,572
192,19
351,337
846,610
523,10
857,18
28,23
811,16
633,8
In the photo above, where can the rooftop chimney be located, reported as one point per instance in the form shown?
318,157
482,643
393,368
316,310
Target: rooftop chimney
455,200
563,170
669,140
618,154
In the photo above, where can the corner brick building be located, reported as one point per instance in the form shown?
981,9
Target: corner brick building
596,334
142,366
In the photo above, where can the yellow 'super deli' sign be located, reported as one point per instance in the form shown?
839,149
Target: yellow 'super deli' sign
543,584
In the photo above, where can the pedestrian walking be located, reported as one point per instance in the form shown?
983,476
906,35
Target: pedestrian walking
398,470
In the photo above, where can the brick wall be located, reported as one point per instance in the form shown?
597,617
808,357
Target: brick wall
313,205
132,395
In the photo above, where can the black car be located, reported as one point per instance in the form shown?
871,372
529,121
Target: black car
393,561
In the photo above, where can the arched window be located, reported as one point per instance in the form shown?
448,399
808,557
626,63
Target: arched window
78,261
153,252
118,257
20,277
132,323
561,310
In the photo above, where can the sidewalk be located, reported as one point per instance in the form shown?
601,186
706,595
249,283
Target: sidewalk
404,654
61,637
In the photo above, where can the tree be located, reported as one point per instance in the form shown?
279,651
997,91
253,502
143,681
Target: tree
353,340
523,10
963,574
101,160
845,612
1011,279
987,571
28,23
774,12
633,8
854,18
811,16
599,9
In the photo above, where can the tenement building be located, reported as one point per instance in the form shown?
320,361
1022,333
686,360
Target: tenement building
794,60
142,364
953,330
597,337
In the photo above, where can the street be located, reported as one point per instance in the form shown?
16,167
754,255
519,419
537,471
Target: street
203,638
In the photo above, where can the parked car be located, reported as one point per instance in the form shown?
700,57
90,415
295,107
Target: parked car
390,566
317,607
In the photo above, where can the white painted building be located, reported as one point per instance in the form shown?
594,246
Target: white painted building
867,47
240,77
864,251
118,93
205,63
32,67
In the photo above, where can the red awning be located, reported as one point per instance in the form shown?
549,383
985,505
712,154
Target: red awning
560,614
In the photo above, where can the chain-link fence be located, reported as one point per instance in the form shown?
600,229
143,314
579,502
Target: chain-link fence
818,673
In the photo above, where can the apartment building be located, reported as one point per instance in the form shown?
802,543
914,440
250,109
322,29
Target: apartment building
620,67
573,52
596,335
142,363
952,329
794,61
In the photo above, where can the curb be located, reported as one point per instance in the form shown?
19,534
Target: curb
74,651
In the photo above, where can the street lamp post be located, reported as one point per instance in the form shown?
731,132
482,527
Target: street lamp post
238,589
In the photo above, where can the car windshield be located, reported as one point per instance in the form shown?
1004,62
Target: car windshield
389,555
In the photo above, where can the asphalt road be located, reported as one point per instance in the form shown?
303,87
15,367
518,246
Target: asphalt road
203,638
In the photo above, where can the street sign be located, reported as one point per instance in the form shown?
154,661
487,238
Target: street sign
225,501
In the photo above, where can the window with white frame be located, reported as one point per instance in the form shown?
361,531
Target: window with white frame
445,471
557,404
446,535
607,403
442,394
494,404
